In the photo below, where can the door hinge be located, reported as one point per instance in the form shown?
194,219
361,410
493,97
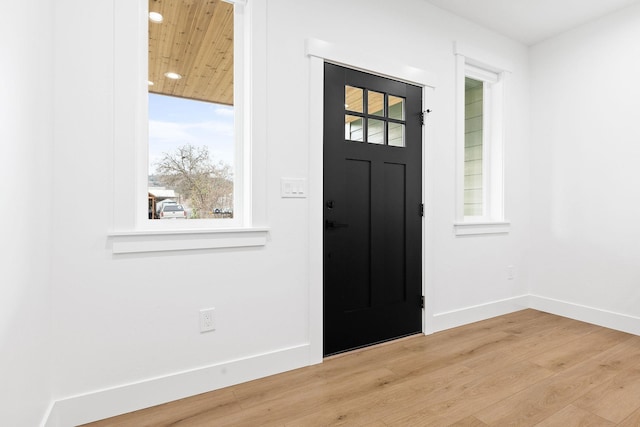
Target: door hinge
421,209
422,301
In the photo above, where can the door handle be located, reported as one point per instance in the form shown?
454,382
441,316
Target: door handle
332,225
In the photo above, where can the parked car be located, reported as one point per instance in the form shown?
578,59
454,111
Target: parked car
161,204
172,211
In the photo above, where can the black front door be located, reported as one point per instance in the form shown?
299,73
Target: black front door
372,209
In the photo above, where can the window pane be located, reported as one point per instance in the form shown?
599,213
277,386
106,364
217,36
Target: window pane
375,103
473,203
396,107
396,134
473,148
375,131
353,130
191,114
354,99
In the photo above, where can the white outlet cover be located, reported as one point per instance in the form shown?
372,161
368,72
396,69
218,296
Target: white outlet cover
207,319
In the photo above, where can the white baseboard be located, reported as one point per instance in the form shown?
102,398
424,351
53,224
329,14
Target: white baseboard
50,418
476,313
596,316
101,404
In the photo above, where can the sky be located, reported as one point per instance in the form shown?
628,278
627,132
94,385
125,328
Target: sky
174,122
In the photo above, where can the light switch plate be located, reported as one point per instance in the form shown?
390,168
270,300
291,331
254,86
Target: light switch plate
293,187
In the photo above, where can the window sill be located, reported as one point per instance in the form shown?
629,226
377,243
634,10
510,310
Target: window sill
479,228
128,242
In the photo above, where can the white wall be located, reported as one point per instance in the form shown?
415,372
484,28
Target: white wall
123,323
25,218
585,150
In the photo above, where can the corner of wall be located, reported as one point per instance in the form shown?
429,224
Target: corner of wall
464,316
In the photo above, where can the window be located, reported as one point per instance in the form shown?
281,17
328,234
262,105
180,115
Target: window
197,106
381,114
480,171
191,108
473,156
478,85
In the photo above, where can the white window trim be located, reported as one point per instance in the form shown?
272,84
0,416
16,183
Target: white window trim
471,62
179,240
131,231
476,228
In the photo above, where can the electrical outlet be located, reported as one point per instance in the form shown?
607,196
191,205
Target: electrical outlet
511,272
207,319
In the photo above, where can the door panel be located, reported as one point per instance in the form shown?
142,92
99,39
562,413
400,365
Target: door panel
372,181
357,266
394,237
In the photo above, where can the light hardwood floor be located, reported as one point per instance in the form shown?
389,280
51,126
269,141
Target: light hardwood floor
523,369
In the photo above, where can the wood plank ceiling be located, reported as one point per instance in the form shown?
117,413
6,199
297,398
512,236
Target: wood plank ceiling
195,40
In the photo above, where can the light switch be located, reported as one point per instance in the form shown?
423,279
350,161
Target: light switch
293,187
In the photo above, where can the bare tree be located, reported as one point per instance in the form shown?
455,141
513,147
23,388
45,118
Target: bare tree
190,171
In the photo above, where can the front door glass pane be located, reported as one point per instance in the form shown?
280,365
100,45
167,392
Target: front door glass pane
353,128
375,131
396,134
354,99
396,107
375,103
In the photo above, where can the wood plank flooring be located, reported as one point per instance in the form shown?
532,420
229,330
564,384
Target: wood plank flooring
523,369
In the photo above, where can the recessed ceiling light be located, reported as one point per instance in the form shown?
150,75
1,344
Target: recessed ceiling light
149,82
155,17
174,76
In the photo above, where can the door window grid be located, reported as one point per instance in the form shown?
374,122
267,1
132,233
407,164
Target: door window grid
374,117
